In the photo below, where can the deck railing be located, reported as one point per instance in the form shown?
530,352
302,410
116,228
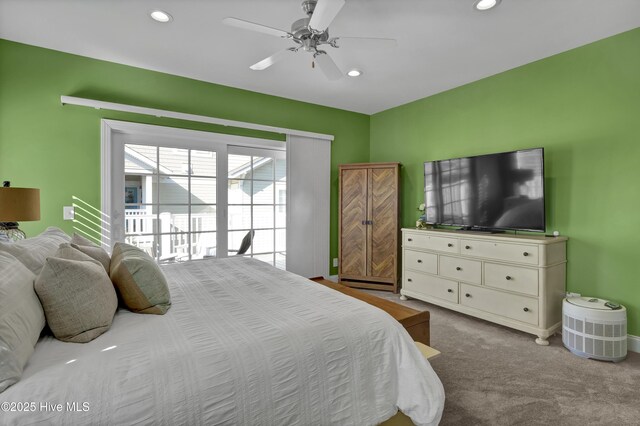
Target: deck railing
172,243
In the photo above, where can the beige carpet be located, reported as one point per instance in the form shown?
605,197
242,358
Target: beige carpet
493,375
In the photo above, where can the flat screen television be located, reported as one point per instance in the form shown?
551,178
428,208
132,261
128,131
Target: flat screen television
487,192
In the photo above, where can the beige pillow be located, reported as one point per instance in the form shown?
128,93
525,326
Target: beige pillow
21,319
33,252
92,250
78,297
139,279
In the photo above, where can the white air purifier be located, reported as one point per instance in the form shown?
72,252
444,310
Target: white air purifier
594,328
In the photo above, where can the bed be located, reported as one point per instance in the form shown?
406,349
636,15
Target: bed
244,343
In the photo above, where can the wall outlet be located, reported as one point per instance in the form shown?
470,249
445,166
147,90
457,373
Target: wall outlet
68,213
335,262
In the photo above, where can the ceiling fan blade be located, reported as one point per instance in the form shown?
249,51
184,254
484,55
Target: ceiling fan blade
252,26
267,62
324,13
328,67
366,43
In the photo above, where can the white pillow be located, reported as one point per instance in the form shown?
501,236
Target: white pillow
21,319
33,252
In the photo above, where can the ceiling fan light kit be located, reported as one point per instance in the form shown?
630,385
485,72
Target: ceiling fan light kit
309,34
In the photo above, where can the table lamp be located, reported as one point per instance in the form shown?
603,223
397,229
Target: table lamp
17,205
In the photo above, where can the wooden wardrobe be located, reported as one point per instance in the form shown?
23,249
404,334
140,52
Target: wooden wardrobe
368,225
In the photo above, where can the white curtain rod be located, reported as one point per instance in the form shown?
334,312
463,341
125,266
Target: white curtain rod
72,100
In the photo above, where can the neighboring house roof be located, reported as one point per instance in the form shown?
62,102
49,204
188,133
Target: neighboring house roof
246,168
143,161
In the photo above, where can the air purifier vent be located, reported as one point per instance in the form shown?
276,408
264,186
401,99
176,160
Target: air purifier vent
592,329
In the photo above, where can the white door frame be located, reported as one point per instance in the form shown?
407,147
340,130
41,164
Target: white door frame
112,184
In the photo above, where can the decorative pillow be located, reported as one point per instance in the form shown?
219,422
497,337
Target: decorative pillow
21,319
139,280
78,297
33,252
92,250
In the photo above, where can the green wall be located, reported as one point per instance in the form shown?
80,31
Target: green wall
583,107
57,149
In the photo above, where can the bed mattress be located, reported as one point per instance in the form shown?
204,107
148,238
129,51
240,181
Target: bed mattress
243,344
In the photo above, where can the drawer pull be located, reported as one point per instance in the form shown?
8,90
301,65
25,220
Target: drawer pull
526,309
467,247
525,254
410,280
409,239
449,245
458,268
419,260
508,278
467,295
450,290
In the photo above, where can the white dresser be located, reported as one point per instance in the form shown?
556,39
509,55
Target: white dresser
514,280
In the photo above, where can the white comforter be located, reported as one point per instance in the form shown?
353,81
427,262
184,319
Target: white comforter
243,344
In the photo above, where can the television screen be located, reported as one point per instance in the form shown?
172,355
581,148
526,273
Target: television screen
495,191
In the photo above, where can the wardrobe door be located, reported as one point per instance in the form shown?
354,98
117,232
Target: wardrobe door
383,228
353,232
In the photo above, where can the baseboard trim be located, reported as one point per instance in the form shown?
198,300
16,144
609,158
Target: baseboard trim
633,343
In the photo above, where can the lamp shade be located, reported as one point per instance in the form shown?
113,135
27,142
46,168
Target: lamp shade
19,204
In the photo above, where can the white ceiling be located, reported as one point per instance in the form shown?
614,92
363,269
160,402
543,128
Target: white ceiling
442,43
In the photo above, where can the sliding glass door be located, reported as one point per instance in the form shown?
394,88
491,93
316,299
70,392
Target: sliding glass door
195,195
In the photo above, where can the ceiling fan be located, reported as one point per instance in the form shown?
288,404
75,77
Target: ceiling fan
309,34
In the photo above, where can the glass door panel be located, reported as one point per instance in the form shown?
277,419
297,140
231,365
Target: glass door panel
170,201
257,204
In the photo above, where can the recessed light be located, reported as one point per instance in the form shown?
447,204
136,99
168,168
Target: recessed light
354,73
483,5
160,16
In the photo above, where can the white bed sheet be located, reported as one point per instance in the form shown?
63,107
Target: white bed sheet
243,344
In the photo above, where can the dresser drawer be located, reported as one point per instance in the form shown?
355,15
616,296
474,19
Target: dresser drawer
519,308
512,278
428,242
430,285
421,261
461,269
521,253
